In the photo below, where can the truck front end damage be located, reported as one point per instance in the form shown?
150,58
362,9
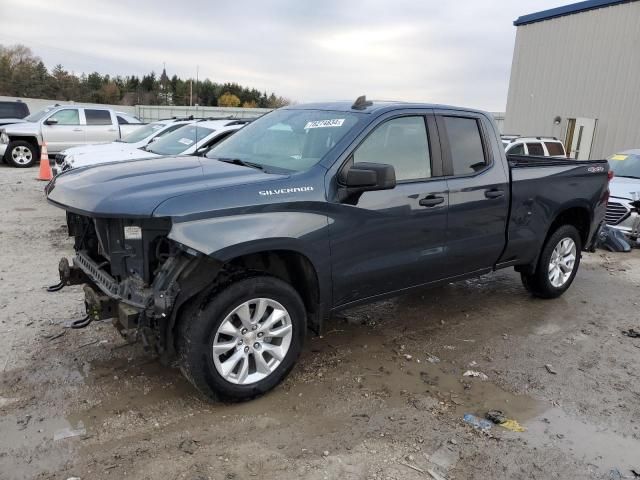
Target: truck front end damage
132,274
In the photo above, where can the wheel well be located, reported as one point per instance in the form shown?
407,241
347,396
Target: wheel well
32,140
289,266
208,276
576,216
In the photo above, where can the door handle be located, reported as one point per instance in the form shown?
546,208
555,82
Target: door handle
77,130
494,193
112,130
431,201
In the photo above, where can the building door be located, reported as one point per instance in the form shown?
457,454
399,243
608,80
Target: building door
579,137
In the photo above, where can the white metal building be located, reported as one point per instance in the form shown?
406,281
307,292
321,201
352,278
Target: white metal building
576,76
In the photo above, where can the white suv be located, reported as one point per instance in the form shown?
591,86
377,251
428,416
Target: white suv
539,146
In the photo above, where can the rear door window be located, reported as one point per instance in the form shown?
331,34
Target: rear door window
555,149
97,117
535,148
465,145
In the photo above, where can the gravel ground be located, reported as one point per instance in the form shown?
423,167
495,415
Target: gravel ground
380,396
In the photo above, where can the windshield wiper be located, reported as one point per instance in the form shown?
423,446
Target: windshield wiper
244,163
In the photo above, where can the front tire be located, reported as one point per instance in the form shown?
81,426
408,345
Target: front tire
244,341
557,265
21,154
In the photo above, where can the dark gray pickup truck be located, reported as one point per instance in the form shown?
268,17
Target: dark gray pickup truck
223,262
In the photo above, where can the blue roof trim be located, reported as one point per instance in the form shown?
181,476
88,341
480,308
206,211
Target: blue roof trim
566,10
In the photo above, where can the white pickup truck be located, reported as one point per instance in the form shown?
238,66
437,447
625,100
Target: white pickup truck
62,127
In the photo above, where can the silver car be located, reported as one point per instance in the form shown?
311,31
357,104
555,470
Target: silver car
624,201
62,127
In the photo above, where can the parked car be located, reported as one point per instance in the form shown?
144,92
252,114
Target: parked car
62,127
539,146
624,204
13,112
139,138
193,138
223,261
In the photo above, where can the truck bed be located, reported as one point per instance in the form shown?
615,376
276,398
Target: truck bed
541,187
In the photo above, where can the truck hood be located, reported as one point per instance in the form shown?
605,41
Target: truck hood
624,187
23,128
10,121
135,188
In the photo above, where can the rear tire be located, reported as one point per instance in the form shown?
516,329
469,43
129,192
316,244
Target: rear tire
21,154
558,264
244,341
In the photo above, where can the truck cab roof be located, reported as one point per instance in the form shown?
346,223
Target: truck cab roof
375,106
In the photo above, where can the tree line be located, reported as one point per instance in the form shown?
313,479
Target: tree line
23,74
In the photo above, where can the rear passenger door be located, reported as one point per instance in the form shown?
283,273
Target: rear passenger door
478,191
388,240
101,127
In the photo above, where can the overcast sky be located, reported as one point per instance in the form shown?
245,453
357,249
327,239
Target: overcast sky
434,51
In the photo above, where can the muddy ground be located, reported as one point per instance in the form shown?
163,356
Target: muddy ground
380,396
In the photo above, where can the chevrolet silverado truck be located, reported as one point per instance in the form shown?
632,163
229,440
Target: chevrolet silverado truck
221,263
62,127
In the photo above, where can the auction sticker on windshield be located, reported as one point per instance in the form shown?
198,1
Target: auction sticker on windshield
185,141
334,122
619,157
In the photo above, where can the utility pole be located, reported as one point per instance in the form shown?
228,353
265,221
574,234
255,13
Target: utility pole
190,92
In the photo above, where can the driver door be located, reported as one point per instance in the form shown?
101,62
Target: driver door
388,240
63,129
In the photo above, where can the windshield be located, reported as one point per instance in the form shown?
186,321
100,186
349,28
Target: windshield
179,141
143,132
625,165
34,117
287,139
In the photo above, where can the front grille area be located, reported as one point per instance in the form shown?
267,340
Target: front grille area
616,213
60,158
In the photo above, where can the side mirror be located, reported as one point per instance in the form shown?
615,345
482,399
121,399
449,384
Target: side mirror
365,177
51,121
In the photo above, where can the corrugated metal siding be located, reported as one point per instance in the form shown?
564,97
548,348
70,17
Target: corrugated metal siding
581,65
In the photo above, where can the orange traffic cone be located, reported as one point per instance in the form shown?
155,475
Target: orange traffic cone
45,168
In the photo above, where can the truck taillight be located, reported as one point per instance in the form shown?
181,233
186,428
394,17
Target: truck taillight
610,175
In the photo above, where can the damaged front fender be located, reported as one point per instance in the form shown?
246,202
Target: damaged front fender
225,238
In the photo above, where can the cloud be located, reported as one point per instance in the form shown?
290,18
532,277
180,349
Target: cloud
446,52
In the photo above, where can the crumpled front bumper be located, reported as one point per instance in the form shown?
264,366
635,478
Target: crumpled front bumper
103,295
3,149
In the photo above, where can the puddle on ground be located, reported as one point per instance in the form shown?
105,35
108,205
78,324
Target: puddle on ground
585,441
20,435
384,369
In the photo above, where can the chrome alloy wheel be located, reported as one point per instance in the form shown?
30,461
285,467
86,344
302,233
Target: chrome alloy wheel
252,341
563,261
21,155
